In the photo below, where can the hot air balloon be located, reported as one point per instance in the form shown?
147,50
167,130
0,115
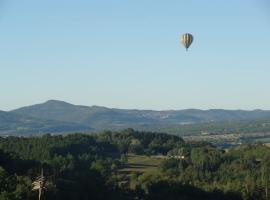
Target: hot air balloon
186,40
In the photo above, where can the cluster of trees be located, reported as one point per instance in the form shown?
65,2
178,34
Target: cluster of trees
85,167
78,166
243,170
145,143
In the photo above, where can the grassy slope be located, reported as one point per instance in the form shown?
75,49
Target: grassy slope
139,163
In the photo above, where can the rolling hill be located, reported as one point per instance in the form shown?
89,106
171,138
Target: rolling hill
16,124
100,118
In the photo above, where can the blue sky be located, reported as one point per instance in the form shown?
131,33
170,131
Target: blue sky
127,54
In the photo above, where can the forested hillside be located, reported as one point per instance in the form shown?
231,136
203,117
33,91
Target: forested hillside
101,118
17,124
81,166
58,117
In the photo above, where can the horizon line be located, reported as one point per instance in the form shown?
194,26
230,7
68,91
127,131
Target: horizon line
140,109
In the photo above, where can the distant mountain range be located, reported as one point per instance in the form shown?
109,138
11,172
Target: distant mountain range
16,124
59,117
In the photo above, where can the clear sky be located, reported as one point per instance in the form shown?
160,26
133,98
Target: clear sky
127,54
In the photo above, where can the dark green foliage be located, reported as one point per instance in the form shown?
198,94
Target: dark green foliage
243,170
176,191
67,160
87,167
130,141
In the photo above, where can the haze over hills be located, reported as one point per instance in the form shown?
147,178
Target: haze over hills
58,117
16,124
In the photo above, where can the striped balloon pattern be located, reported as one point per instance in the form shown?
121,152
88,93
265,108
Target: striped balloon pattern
187,40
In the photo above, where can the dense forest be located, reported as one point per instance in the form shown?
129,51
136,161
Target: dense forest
81,166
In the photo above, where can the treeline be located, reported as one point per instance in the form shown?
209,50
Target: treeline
81,166
243,170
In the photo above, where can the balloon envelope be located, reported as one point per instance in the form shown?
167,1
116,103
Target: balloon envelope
187,40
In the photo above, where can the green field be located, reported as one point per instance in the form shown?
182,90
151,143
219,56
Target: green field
141,164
